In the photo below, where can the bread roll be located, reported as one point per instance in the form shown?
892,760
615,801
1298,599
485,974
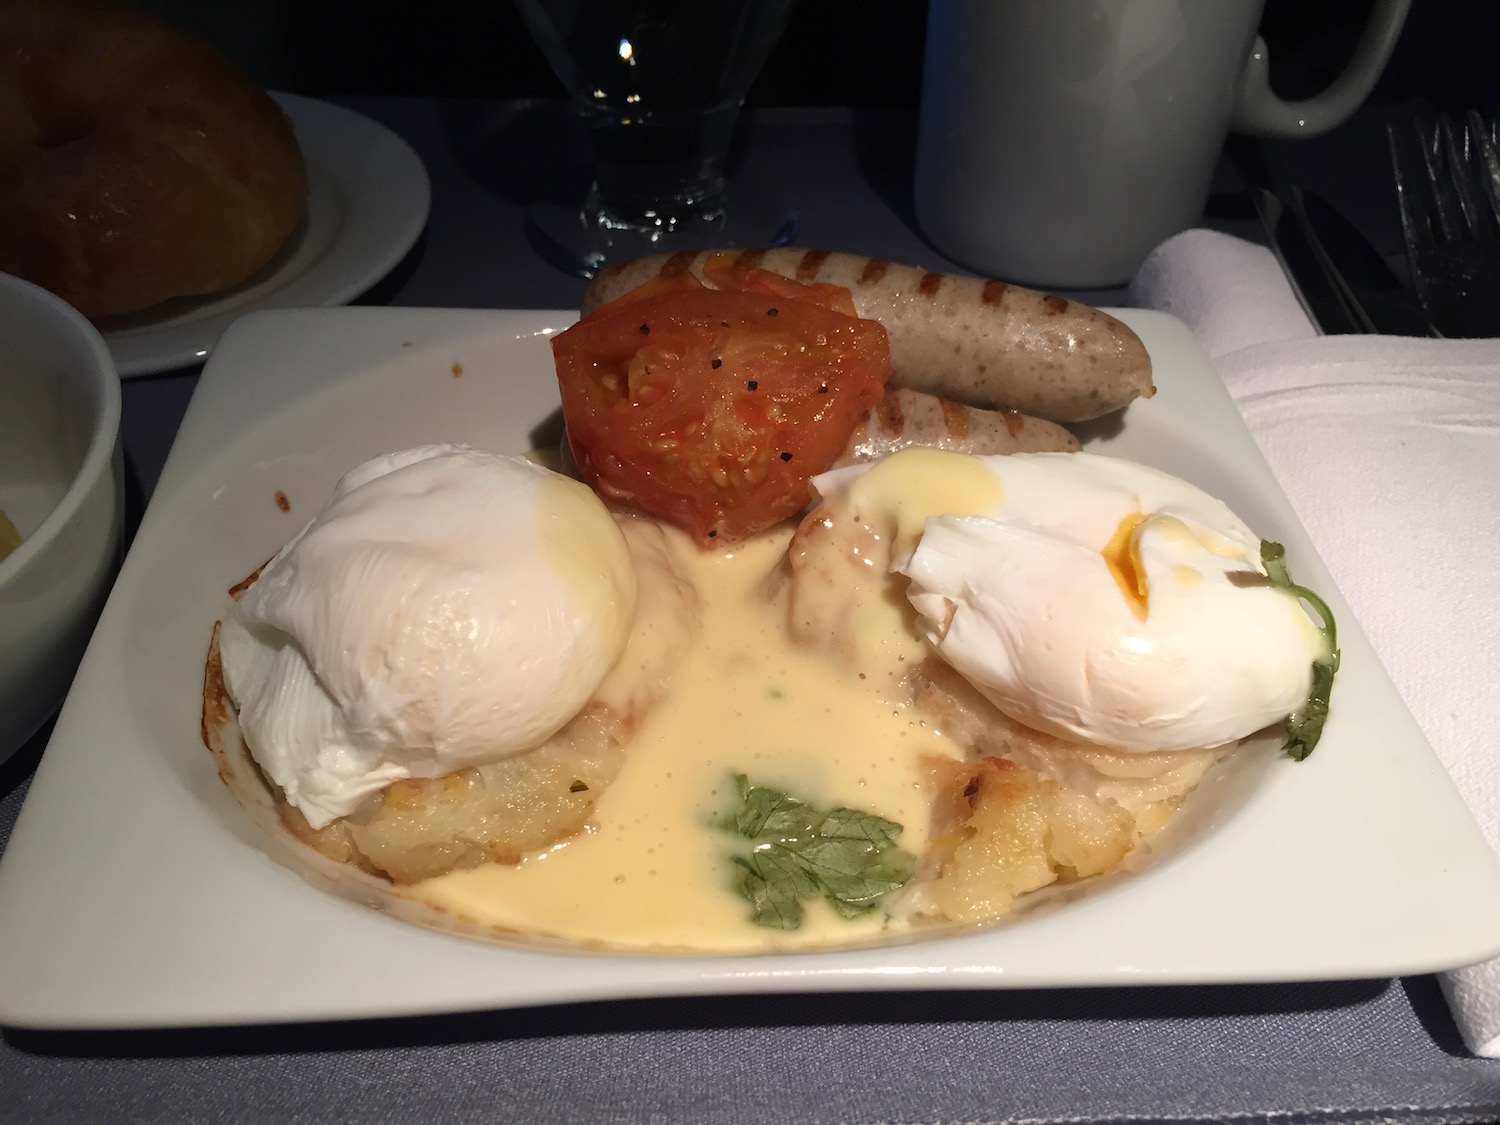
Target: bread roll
136,163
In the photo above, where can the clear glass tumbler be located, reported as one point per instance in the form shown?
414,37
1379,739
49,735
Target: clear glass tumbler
659,84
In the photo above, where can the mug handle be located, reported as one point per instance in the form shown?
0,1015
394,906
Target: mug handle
1260,113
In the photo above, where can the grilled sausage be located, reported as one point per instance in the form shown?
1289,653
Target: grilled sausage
980,342
906,418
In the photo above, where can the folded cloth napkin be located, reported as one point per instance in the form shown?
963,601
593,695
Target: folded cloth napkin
1418,449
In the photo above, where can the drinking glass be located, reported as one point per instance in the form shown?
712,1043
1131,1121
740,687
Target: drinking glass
659,85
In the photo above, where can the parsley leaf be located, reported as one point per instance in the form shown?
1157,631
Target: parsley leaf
1304,726
800,852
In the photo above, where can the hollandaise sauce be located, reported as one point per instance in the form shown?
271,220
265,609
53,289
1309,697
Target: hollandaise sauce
654,872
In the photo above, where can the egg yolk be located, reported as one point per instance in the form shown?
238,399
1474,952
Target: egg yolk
1122,554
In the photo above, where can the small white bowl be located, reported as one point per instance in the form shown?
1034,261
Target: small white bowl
62,486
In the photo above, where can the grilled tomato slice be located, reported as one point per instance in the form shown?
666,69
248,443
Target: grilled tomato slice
712,408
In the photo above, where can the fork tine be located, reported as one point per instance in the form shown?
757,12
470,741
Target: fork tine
1444,162
1409,163
1487,165
1460,154
1444,173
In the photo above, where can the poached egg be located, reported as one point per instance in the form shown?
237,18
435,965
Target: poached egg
1092,598
446,608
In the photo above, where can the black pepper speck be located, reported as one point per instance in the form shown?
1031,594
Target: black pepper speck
717,363
786,456
753,385
645,330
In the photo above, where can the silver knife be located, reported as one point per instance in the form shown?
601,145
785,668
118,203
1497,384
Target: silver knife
1367,282
1322,299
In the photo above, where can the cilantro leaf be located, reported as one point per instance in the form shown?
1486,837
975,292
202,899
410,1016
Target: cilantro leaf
1304,726
799,852
855,882
848,824
771,885
766,813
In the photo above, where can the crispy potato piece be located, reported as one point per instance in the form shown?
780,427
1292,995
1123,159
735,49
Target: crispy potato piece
1026,810
1148,786
1003,830
499,812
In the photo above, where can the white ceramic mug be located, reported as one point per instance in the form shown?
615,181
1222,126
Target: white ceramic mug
1061,140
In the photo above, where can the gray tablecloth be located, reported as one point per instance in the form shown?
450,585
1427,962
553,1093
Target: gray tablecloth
1336,1051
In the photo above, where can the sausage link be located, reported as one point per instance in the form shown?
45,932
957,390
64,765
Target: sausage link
969,339
906,418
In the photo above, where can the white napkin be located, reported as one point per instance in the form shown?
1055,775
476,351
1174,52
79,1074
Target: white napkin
1404,506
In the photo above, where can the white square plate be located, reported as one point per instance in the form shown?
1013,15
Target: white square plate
136,891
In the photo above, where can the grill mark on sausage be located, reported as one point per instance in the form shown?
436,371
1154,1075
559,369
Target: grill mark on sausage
1054,305
678,264
993,292
750,258
955,418
1014,423
874,270
888,414
811,264
930,284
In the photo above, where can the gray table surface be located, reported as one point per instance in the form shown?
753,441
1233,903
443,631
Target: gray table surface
1335,1051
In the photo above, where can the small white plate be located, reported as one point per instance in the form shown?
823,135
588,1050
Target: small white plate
136,891
367,201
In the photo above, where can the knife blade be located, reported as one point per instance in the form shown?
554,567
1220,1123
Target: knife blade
1368,282
1303,265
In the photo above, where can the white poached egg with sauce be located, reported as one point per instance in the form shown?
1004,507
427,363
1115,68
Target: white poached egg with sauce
1092,598
447,607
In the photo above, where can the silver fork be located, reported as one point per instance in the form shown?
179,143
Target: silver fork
1448,185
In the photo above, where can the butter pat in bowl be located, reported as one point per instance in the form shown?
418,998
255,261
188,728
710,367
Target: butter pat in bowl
61,491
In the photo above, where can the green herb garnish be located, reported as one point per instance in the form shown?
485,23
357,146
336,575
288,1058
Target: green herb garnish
847,856
1304,726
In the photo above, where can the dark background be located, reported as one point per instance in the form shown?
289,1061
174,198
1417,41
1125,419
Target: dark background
863,53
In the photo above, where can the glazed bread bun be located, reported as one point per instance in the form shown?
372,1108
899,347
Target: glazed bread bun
136,162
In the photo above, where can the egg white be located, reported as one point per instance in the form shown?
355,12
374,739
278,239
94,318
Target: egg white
447,607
